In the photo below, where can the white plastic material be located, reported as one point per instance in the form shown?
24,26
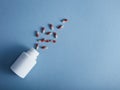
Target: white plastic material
25,62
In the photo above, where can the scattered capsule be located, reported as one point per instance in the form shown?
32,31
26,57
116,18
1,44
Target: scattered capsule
48,33
44,47
42,29
51,26
46,40
37,34
36,46
55,35
54,41
60,26
41,40
64,20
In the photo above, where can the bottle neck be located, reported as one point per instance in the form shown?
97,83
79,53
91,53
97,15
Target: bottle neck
32,52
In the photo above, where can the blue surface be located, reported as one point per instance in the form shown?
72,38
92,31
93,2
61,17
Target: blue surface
86,55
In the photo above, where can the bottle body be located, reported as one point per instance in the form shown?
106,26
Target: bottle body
24,63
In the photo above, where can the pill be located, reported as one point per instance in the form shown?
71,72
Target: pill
60,26
37,34
42,29
64,20
48,33
46,40
55,35
51,26
41,40
36,46
44,47
54,41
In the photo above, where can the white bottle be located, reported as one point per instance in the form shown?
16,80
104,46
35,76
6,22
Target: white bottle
25,62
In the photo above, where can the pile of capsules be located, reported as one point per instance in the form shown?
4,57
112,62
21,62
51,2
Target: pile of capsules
38,45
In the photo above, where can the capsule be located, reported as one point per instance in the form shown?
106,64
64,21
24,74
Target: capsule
55,35
54,41
46,40
48,33
51,26
36,46
37,34
41,40
64,20
42,29
44,47
60,26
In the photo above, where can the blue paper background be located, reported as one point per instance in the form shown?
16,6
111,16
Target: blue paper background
86,55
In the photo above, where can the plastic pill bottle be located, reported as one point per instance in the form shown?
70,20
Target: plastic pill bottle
25,62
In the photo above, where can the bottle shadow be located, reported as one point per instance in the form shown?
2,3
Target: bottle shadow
8,56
